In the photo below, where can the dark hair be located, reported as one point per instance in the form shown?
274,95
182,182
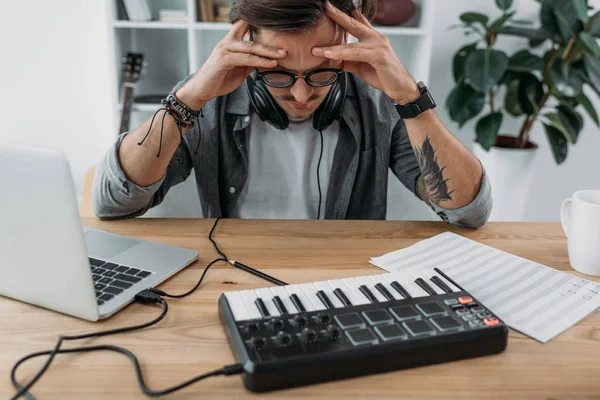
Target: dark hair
292,15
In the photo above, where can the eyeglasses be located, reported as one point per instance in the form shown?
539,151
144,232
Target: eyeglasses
317,78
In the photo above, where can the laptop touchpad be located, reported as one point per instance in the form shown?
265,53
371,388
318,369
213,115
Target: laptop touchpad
102,244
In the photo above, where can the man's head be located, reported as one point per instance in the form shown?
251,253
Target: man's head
297,26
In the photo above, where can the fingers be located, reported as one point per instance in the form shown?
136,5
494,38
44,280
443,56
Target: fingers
238,30
256,49
353,26
248,60
359,16
347,52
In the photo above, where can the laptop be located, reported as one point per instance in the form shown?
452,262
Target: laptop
47,258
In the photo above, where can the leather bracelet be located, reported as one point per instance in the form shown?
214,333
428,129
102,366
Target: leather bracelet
184,111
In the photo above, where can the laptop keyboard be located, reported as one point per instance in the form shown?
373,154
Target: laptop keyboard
111,279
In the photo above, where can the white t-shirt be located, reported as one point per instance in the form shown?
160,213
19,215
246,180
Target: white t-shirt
282,170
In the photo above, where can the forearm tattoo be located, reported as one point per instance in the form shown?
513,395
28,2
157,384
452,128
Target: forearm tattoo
431,173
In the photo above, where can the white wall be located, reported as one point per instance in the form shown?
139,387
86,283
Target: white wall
55,59
54,78
552,183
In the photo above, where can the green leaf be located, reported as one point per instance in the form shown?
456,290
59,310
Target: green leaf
594,29
498,24
524,61
592,68
485,68
530,93
590,43
511,102
589,107
571,120
464,103
558,143
550,79
472,17
568,75
487,129
460,59
565,29
504,4
529,33
550,23
580,7
555,121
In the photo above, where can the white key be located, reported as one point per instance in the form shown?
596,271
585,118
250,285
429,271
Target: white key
353,285
267,297
237,306
386,284
249,297
326,288
310,292
365,280
338,284
408,283
295,289
285,298
420,274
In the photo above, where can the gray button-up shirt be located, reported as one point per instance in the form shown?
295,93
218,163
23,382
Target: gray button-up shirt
373,140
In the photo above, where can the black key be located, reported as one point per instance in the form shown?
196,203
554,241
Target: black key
98,294
99,271
365,290
324,299
110,266
120,284
143,274
96,277
340,295
121,268
297,303
100,302
132,271
93,269
438,281
106,297
128,278
112,290
386,293
398,287
109,274
99,286
425,286
106,281
279,304
95,263
261,307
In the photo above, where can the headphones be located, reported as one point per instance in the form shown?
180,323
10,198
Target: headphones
267,109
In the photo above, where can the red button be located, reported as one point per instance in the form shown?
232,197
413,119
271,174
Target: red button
465,299
491,321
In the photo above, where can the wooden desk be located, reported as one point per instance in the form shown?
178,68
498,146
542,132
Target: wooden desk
190,340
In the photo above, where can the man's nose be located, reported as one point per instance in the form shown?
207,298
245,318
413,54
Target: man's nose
301,91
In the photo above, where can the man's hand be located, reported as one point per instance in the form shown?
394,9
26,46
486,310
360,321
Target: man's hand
372,57
231,61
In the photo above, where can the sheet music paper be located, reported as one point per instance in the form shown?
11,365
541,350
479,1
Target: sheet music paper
534,299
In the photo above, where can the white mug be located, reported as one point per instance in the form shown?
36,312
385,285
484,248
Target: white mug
580,218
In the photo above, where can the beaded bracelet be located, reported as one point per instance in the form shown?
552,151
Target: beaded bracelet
185,112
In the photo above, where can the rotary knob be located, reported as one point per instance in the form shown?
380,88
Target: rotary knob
253,327
284,339
300,321
275,324
308,335
258,343
332,332
322,318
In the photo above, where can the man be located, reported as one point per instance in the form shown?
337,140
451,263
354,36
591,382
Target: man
265,145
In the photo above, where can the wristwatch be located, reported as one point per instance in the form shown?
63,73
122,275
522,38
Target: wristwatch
422,104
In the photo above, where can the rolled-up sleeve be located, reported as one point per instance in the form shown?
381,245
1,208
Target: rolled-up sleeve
476,213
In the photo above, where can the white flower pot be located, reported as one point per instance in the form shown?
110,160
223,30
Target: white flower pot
511,173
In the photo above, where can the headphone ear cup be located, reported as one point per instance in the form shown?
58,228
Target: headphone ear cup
265,105
331,108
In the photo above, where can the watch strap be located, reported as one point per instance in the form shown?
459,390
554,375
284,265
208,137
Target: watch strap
423,103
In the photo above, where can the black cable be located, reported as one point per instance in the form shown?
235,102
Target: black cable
192,290
318,174
213,241
145,296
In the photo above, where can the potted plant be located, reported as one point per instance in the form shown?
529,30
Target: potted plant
540,83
